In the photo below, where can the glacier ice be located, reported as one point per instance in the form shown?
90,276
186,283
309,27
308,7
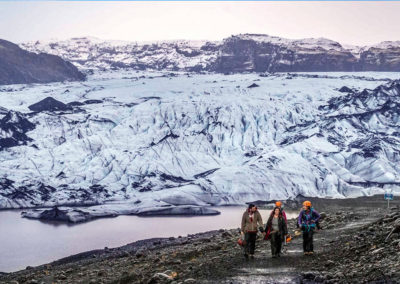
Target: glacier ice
153,141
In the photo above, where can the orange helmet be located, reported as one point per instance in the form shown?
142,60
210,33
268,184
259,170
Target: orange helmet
307,203
278,204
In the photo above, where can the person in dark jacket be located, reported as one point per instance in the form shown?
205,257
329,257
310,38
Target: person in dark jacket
276,230
307,221
251,223
279,204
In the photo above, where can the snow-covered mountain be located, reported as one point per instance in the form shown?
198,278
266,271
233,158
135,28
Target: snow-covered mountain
94,53
238,53
160,140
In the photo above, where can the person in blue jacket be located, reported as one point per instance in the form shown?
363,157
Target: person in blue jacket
307,221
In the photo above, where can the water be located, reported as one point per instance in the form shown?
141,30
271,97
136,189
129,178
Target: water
26,242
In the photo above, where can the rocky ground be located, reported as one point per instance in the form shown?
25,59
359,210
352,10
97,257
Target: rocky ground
362,254
358,244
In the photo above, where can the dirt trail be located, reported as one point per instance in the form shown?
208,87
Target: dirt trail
292,264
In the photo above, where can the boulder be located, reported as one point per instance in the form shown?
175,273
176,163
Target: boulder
254,85
49,104
345,89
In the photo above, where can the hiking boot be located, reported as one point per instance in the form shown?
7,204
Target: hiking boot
305,253
311,253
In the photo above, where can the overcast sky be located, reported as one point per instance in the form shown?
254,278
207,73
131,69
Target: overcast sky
358,23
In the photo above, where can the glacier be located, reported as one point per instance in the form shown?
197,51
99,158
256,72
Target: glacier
137,142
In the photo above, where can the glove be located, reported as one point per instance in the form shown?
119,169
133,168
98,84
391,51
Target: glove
261,229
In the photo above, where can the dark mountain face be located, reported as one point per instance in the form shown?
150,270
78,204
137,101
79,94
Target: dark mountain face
240,54
380,59
245,54
18,66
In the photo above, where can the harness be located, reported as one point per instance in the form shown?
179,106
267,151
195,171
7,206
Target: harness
308,217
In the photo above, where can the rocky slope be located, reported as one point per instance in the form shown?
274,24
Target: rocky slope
18,66
238,53
369,254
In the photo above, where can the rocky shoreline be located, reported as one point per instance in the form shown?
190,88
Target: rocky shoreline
85,214
354,246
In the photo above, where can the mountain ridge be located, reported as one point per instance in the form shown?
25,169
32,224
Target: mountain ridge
237,53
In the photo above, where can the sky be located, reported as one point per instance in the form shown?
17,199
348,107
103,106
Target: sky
356,23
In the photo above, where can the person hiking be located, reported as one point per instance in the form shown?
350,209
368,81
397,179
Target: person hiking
307,221
276,230
250,219
279,205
